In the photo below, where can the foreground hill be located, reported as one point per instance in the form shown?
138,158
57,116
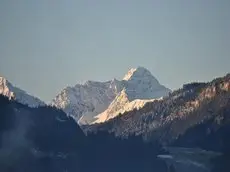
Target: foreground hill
45,139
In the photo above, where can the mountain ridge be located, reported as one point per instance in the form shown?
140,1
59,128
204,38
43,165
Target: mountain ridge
86,101
167,119
7,89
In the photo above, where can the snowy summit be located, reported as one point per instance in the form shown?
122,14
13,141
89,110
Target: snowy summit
8,90
95,102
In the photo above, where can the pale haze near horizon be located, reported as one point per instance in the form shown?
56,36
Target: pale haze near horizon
48,45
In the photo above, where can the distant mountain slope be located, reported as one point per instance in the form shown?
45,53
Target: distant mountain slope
7,89
88,99
170,118
95,102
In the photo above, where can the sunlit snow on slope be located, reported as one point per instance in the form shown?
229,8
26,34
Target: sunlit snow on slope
127,106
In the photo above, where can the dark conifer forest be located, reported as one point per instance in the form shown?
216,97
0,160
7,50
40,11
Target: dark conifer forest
44,139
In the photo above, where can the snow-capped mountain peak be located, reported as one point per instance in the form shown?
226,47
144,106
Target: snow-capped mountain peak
88,99
86,102
141,84
140,87
12,92
139,73
4,90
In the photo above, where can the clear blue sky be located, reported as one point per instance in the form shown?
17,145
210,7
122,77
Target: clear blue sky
46,45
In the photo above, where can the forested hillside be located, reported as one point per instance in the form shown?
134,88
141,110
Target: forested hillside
45,139
197,115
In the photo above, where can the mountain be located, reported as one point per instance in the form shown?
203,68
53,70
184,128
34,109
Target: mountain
140,87
194,116
95,102
202,107
46,139
7,89
87,99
